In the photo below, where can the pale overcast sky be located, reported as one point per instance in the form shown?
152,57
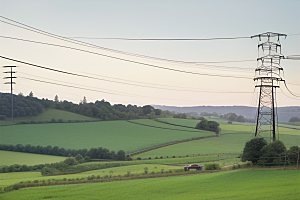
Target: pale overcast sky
142,84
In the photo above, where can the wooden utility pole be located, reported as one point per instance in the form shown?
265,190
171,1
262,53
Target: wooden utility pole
11,89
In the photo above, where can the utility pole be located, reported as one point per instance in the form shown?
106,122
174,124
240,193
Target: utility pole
267,77
11,89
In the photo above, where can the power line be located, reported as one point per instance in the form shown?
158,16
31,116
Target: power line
150,65
293,57
29,28
196,91
165,39
224,68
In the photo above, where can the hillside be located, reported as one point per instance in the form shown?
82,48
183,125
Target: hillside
284,113
29,106
48,115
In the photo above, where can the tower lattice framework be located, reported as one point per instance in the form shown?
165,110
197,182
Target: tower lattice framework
267,77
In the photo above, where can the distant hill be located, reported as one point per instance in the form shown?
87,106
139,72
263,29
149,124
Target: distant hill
284,113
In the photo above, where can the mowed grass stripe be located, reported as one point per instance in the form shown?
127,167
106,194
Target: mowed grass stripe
114,135
238,184
10,158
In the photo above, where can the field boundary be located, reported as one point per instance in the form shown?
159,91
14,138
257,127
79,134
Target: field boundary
169,144
173,124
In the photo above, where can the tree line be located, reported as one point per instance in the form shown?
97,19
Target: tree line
31,106
259,152
233,117
208,126
92,153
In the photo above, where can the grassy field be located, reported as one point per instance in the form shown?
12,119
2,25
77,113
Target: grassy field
10,158
227,143
47,115
16,177
153,123
237,184
114,135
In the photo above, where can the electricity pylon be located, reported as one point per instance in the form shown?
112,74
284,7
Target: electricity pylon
267,77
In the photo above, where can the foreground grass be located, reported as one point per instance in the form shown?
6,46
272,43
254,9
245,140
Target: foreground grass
113,135
238,184
10,158
135,167
17,177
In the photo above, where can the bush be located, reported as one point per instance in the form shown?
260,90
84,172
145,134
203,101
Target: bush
273,154
46,171
212,166
252,151
139,158
293,154
70,161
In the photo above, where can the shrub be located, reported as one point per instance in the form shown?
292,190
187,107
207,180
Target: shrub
70,161
149,158
252,150
212,166
273,154
139,158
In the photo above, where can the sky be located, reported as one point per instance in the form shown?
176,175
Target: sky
130,82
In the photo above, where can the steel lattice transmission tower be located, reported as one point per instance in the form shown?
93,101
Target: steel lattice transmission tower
267,77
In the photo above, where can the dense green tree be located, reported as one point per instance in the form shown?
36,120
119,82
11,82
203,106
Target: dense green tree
273,154
120,155
293,154
240,118
208,125
294,119
252,150
70,161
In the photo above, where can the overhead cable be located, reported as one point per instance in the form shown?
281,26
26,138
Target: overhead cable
164,39
29,28
150,65
224,68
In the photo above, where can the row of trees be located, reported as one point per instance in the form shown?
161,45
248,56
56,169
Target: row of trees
294,119
208,126
259,152
233,117
23,106
93,153
32,106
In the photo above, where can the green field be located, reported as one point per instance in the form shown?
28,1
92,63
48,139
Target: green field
10,158
113,135
47,115
156,124
227,143
238,184
16,177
